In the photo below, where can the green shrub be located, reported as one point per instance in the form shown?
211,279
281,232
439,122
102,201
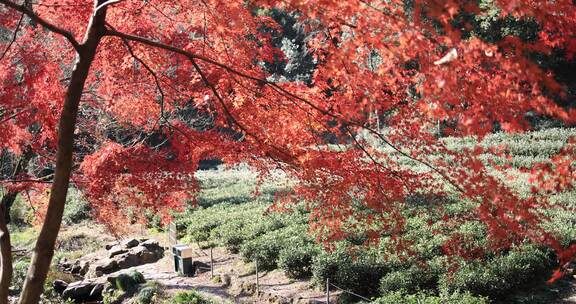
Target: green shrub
20,269
204,224
266,248
422,298
138,277
112,296
499,275
77,209
190,297
125,282
153,220
231,235
404,280
360,272
149,293
414,278
296,259
21,213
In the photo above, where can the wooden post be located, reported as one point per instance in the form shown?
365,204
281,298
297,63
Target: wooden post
172,234
327,290
257,280
211,264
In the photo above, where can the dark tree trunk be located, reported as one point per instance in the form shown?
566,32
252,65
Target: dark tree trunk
44,250
5,247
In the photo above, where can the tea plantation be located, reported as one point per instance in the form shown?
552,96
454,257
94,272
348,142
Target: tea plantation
231,217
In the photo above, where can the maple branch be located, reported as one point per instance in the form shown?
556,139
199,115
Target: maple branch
374,161
105,4
227,111
15,181
192,57
160,90
13,116
14,36
154,75
49,26
284,92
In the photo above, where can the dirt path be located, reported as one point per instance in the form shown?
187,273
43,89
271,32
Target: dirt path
275,287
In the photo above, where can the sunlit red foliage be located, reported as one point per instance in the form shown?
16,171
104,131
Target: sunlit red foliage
157,55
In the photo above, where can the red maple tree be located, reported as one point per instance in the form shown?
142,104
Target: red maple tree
136,62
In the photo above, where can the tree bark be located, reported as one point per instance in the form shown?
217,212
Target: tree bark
44,250
6,203
5,247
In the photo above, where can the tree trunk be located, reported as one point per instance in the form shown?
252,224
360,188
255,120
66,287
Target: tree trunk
44,250
5,247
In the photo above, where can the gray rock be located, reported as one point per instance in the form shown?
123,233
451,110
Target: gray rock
152,245
75,269
65,266
128,260
130,243
106,266
116,250
84,267
96,293
84,291
110,245
59,286
120,257
145,255
200,267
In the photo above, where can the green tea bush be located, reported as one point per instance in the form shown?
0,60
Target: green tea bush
500,274
296,259
231,235
422,298
359,272
190,297
409,280
200,222
266,248
204,224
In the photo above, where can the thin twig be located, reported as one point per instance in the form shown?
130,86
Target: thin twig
14,36
284,92
49,26
103,5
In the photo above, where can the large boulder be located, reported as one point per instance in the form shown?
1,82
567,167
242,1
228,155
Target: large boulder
84,291
148,254
152,245
129,259
130,253
106,266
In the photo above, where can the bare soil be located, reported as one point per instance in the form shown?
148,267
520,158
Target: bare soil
234,281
